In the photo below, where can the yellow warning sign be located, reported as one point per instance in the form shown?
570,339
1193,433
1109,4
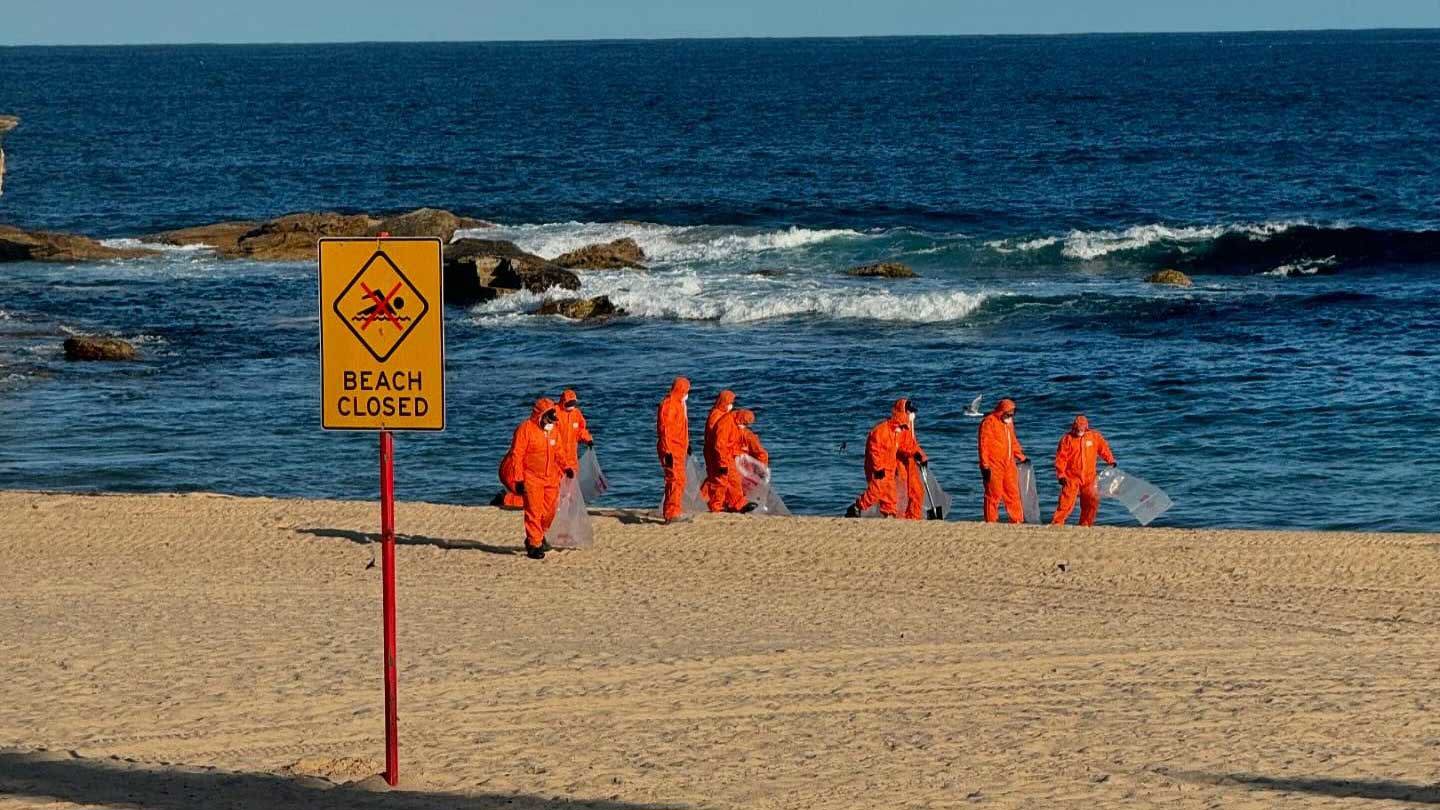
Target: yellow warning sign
382,334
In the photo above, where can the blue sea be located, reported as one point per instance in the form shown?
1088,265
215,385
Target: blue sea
1031,181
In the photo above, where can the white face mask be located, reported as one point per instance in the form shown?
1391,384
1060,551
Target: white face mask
685,398
912,419
729,408
549,426
1009,420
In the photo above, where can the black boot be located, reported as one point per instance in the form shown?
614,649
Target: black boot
749,507
853,511
535,552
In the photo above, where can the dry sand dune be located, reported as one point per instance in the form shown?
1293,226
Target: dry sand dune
202,651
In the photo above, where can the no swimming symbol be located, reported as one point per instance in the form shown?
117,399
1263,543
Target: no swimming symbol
381,306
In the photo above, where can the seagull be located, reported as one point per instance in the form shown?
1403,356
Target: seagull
974,410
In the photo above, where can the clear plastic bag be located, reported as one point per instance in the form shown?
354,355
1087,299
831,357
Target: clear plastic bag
1144,500
937,500
755,481
1029,495
572,527
693,504
591,477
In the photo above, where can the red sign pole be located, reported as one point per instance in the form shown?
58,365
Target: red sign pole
387,573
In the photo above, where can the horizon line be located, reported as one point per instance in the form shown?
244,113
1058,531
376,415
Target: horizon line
721,38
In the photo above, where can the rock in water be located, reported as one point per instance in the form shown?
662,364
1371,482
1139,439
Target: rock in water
294,238
617,255
884,270
224,237
428,222
581,309
483,269
18,245
93,348
1172,277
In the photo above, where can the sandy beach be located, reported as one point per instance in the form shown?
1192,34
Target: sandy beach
207,651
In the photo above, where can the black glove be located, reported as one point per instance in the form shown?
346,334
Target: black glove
1062,483
1112,465
589,443
669,461
569,473
689,451
722,470
985,474
879,475
924,463
519,487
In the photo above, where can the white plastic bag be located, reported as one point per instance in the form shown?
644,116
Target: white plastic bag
572,528
1144,500
1029,495
937,500
755,481
693,504
591,477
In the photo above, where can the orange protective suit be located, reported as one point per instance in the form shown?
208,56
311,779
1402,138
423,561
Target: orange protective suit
724,490
1075,460
750,443
572,430
537,468
723,405
882,461
672,444
999,451
911,456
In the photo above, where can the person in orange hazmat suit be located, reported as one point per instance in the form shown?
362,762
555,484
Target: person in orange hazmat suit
724,403
1075,467
1000,451
672,444
882,462
572,429
912,464
726,491
538,468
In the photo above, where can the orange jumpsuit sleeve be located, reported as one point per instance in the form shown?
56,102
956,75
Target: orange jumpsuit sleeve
755,449
1104,449
516,455
583,434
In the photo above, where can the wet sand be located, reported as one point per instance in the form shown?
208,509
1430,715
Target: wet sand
206,651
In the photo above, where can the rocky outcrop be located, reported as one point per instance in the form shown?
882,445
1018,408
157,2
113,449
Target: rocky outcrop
18,245
7,123
223,236
581,309
479,270
293,238
1171,277
98,349
883,270
427,222
620,254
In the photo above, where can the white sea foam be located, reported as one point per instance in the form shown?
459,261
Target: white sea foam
663,244
1304,267
159,247
1090,245
686,296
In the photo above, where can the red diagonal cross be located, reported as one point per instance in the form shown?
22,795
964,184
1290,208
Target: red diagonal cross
382,306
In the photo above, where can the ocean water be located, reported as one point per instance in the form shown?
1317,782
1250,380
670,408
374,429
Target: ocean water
1031,181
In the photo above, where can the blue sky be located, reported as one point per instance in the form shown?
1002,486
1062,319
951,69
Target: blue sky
29,22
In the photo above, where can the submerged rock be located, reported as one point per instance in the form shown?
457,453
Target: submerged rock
884,270
617,255
101,349
1172,277
581,309
17,245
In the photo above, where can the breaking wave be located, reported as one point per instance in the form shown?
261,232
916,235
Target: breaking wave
663,244
686,296
1277,248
